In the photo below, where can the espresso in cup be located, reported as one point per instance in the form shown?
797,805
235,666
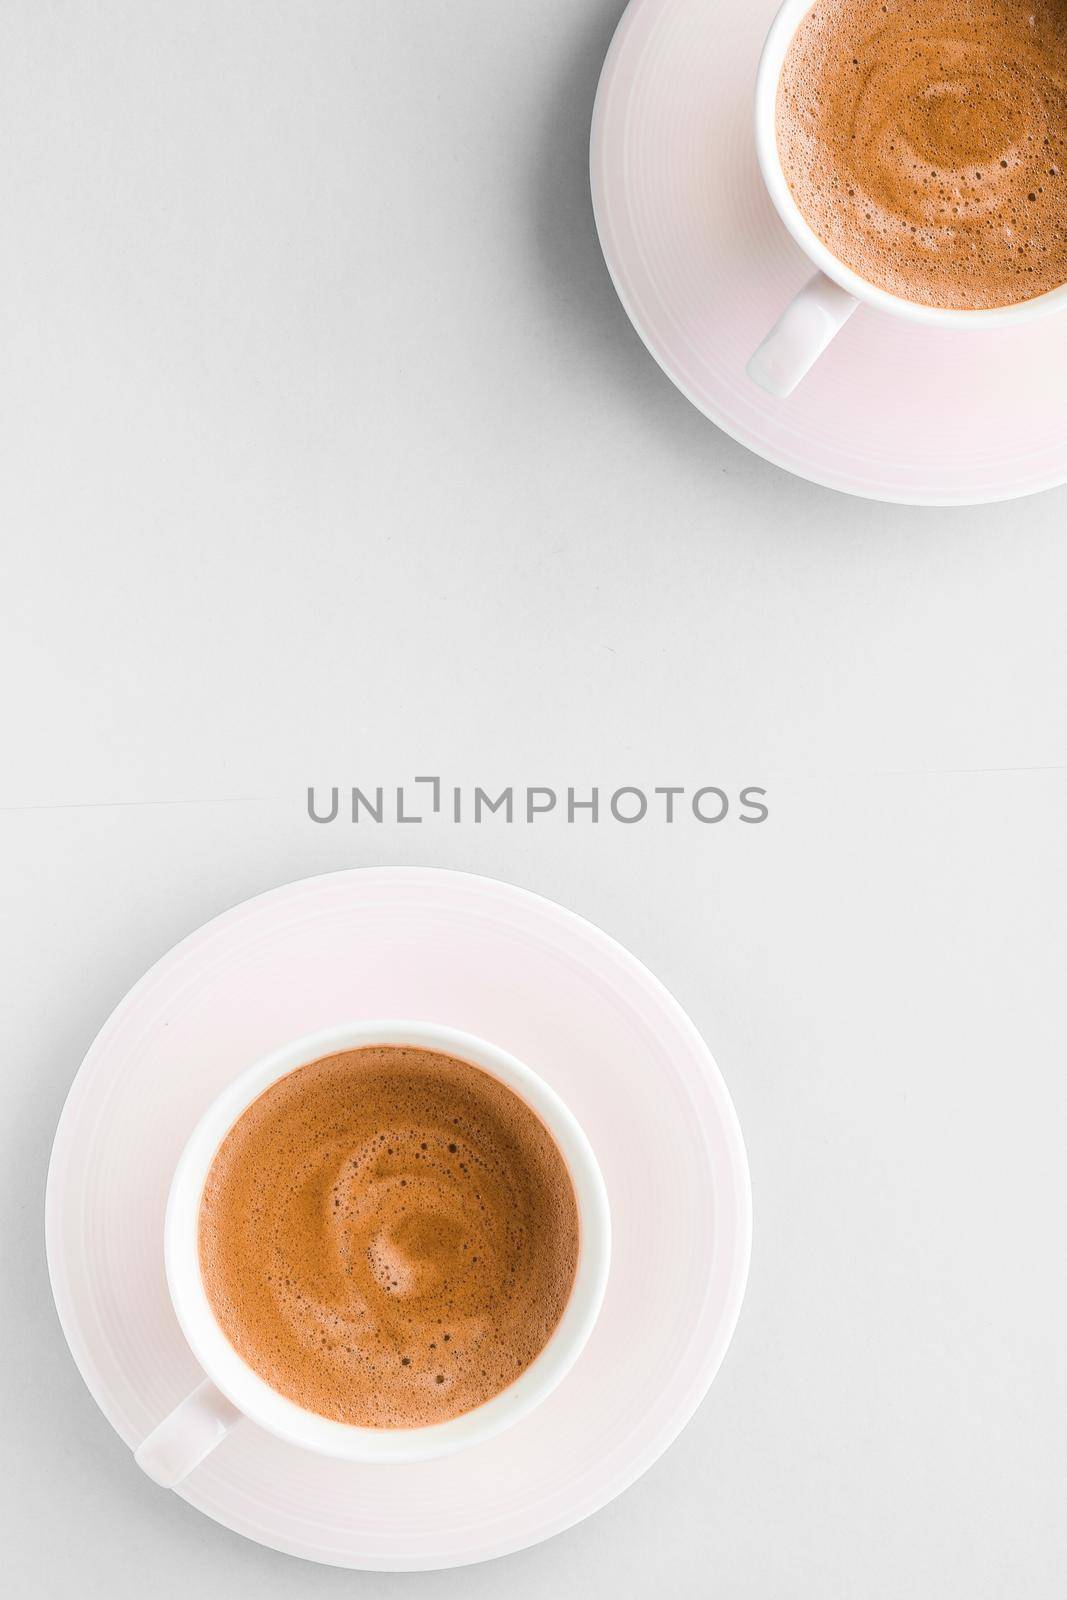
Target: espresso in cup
388,1236
925,143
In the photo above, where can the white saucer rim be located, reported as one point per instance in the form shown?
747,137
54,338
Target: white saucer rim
824,479
705,1371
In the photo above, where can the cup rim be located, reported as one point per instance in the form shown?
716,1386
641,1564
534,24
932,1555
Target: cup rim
250,1393
779,37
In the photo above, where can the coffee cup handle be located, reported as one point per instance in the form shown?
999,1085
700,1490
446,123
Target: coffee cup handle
800,335
182,1440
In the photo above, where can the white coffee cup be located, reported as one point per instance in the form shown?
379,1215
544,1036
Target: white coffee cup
232,1391
827,300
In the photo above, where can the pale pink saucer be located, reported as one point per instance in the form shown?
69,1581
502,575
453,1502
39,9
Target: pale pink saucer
545,985
703,267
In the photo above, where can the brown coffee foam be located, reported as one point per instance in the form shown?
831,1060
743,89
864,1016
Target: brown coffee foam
388,1236
924,142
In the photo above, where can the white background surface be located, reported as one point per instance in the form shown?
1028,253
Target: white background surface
329,457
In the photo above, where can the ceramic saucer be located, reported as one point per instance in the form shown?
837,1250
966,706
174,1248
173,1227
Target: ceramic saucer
703,266
498,962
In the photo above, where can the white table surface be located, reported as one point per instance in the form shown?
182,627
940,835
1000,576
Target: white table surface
328,456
